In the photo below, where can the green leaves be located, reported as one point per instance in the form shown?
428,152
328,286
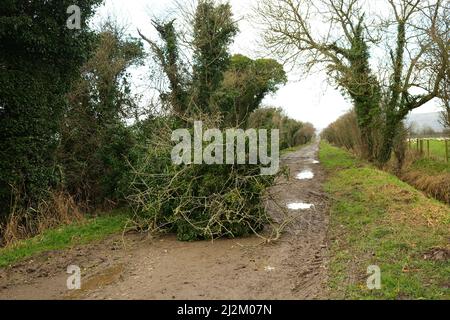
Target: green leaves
39,59
246,82
95,144
214,31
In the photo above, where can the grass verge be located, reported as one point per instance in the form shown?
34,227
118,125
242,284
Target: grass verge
376,219
92,229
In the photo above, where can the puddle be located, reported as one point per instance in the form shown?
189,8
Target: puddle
305,174
269,268
97,281
299,206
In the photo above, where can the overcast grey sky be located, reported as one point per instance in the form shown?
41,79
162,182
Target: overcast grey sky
306,99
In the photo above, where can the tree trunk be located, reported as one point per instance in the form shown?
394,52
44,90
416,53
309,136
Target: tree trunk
389,134
367,143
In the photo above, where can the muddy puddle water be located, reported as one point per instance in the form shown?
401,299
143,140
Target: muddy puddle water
305,174
299,206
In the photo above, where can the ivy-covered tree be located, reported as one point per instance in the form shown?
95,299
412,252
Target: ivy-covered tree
95,142
192,91
218,83
168,56
246,82
39,58
214,31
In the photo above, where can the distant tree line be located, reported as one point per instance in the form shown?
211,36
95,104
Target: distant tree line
292,132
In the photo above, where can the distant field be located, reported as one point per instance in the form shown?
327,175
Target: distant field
437,148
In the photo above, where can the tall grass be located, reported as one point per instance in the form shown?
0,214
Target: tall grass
428,175
58,209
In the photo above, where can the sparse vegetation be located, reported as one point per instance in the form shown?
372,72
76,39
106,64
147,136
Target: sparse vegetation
87,231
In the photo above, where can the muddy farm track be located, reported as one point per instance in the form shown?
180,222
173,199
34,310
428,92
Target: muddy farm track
135,267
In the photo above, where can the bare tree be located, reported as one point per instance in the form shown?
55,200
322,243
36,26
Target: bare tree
410,40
